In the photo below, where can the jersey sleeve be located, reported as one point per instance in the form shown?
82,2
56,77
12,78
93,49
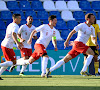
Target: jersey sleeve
98,30
78,27
20,30
15,29
93,32
40,28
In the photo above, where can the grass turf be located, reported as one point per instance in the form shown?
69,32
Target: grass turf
57,82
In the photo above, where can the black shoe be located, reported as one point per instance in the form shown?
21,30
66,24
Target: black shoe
11,68
1,78
47,73
97,74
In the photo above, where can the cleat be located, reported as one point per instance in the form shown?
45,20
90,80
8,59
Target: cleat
12,68
1,78
22,74
43,76
47,73
85,73
97,74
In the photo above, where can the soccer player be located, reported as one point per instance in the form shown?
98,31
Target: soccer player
94,48
47,33
85,30
24,34
7,43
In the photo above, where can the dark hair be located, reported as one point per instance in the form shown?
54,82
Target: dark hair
88,15
15,15
95,21
51,17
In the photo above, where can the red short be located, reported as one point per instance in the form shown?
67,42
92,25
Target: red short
9,54
26,52
39,51
79,47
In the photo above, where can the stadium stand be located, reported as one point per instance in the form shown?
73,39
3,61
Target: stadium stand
36,23
3,6
61,5
2,25
96,5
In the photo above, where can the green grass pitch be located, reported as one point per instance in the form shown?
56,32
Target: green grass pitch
57,82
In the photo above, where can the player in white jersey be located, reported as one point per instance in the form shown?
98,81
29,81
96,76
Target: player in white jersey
47,33
85,30
7,43
24,33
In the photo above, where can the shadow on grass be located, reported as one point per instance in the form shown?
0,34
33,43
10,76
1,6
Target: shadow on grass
48,88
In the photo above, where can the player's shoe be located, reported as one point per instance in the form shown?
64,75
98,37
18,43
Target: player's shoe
43,76
1,78
85,73
97,74
47,73
12,68
22,74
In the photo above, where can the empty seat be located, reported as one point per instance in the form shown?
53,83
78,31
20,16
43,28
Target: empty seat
92,0
21,13
55,13
22,22
2,34
37,5
50,46
49,6
2,25
45,22
60,45
65,33
85,5
3,6
9,0
12,5
61,25
6,15
31,13
71,24
8,22
96,5
61,5
25,5
79,15
42,15
92,12
67,15
73,6
36,23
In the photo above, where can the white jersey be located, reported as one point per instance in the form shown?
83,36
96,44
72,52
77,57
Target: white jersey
84,32
8,40
25,32
46,34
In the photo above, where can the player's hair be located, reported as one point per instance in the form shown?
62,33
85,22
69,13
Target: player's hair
88,16
15,16
95,21
29,16
51,17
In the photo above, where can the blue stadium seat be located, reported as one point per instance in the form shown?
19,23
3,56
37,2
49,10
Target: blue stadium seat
55,13
2,34
61,25
45,22
96,5
12,5
50,46
6,15
71,24
8,22
25,5
64,33
42,15
21,0
81,0
98,15
92,12
22,22
36,23
31,13
37,5
21,13
2,25
79,15
81,21
85,5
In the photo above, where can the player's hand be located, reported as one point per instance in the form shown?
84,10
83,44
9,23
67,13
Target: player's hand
71,43
29,42
56,49
66,44
22,40
97,46
20,45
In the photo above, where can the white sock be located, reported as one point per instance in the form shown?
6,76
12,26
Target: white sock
99,70
21,61
6,64
44,64
57,65
2,69
23,68
87,63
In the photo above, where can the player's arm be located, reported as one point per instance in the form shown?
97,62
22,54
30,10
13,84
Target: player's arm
14,35
54,42
31,36
21,39
66,43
